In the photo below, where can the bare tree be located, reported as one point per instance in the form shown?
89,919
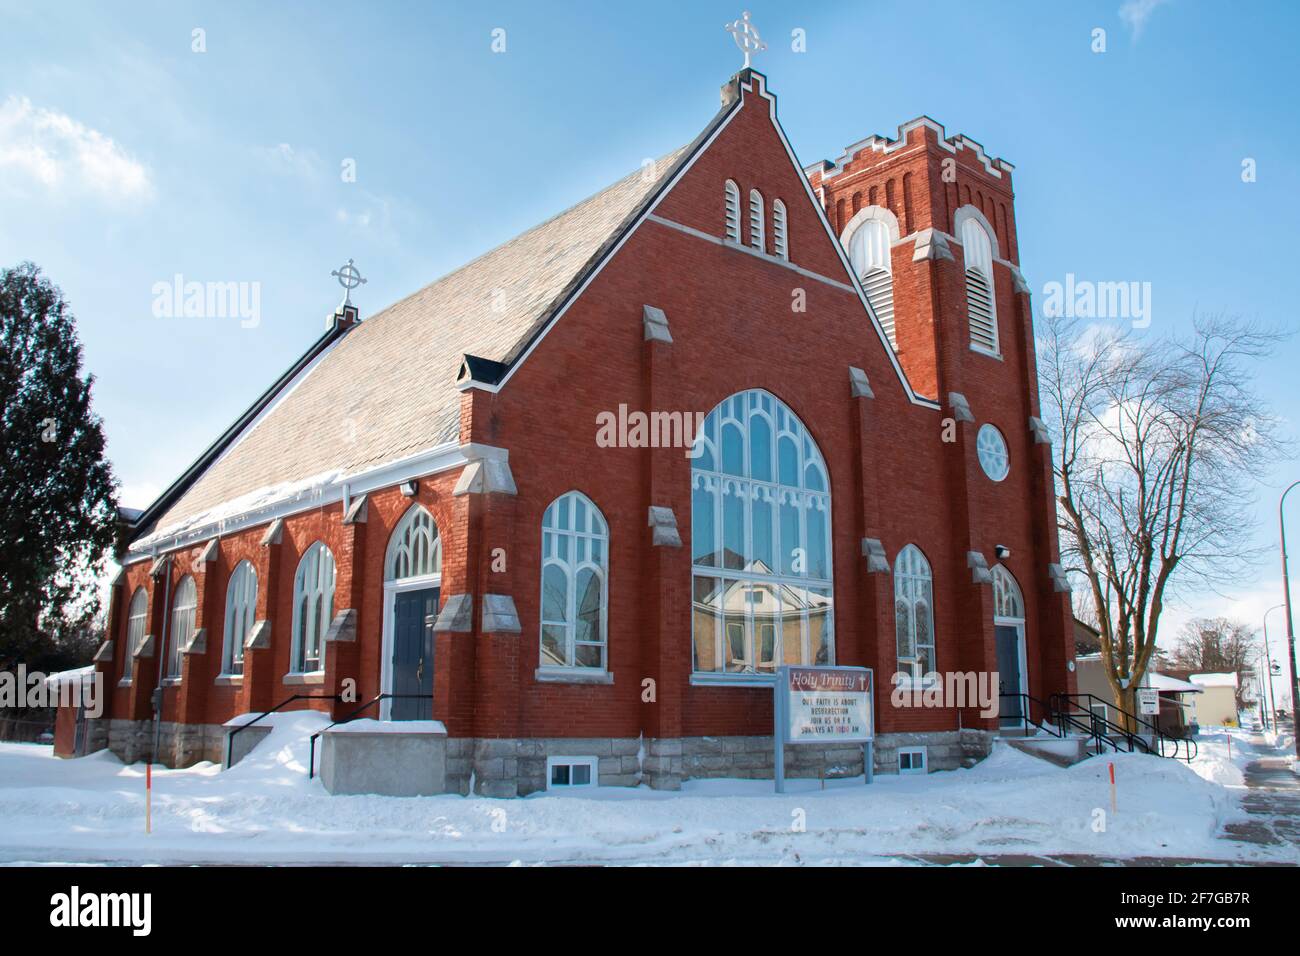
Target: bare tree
1155,449
1217,645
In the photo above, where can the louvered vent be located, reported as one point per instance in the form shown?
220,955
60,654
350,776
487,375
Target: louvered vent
979,300
733,211
879,286
756,238
778,230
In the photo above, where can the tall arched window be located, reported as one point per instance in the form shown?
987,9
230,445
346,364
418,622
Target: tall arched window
869,255
414,549
136,619
313,608
184,605
575,595
757,239
760,541
978,253
1007,602
780,238
732,211
914,613
241,611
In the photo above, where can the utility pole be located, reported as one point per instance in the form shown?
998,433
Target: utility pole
1268,664
1286,597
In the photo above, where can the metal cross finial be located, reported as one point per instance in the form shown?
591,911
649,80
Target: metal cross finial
746,36
349,278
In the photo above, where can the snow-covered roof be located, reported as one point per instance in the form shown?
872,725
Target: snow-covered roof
76,676
1214,680
1170,684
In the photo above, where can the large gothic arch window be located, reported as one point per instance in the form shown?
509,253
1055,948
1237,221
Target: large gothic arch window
760,542
414,547
914,613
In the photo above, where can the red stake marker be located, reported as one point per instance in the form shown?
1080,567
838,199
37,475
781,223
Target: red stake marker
148,798
1114,808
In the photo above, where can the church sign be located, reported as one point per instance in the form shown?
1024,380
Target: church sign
823,705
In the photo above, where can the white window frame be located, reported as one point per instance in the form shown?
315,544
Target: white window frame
185,606
241,615
731,211
907,582
780,231
596,532
571,762
135,634
782,424
757,234
405,534
914,752
321,590
984,449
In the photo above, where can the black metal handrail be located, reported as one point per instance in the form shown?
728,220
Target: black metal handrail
230,739
1026,715
311,762
1134,740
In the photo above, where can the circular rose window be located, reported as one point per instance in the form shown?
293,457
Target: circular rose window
992,448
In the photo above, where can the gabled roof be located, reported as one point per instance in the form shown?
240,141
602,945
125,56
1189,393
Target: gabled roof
388,388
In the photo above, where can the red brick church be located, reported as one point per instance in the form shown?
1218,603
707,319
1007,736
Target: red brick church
827,451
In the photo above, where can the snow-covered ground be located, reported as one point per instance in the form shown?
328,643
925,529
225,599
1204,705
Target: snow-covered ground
266,810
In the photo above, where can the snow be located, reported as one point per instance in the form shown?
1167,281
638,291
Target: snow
1213,680
72,677
372,726
266,810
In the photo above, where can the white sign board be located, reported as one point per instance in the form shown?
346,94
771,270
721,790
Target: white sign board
827,705
1148,701
823,705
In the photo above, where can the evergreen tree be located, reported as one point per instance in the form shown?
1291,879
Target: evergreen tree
58,511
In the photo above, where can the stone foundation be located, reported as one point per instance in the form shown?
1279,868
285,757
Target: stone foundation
507,767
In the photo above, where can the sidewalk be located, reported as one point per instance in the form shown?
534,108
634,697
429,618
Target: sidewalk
1272,799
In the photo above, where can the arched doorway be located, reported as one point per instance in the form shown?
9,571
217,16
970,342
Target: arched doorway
412,578
1009,632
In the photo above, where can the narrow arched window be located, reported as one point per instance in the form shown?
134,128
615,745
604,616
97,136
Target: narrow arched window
414,549
980,303
780,240
241,611
137,619
575,596
184,606
313,608
732,211
914,613
760,541
869,254
757,239
1007,602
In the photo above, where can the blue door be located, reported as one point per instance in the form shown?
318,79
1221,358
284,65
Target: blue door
1008,639
413,614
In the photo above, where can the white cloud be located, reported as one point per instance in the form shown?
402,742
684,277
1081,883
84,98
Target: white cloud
140,495
283,158
62,155
1136,13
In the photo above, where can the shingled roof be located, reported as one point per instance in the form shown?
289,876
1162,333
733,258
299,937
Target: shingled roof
356,407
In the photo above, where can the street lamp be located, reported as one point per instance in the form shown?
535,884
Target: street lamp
1268,664
1286,597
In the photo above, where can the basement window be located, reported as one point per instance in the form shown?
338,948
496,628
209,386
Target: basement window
565,773
911,760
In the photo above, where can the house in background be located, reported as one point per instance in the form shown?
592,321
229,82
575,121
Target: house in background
1176,695
1217,705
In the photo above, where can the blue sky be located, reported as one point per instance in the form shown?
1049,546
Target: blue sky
127,158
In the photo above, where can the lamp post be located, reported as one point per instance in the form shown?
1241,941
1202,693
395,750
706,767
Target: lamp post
1286,597
1268,664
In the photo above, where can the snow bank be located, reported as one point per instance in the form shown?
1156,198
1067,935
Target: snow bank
266,810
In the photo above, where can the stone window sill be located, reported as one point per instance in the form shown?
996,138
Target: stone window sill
733,680
316,678
561,675
228,679
171,682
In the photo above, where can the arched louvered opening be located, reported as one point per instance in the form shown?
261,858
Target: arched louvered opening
757,238
780,242
869,253
980,304
732,211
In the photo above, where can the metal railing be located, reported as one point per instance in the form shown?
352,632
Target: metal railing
1047,717
311,763
230,739
1105,731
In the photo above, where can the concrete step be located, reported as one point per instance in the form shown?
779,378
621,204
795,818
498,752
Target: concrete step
1063,752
